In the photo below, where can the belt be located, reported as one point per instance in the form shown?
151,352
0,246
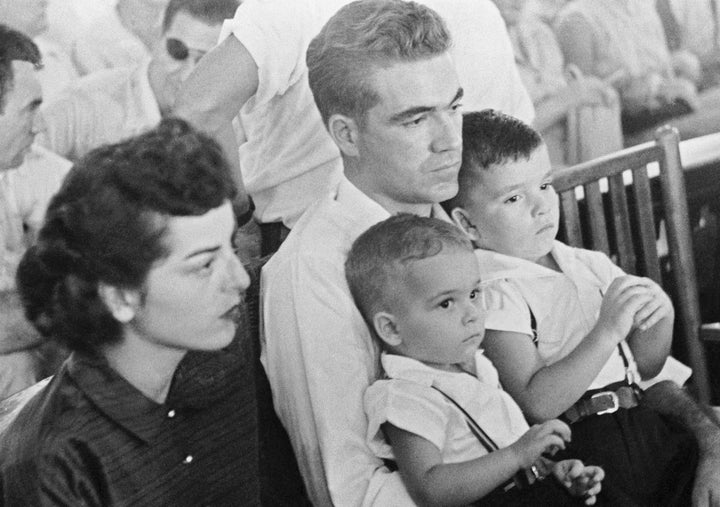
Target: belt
603,402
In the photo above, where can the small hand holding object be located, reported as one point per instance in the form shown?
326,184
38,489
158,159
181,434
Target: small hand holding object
580,479
545,438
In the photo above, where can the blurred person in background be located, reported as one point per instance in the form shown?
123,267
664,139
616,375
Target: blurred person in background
114,104
29,176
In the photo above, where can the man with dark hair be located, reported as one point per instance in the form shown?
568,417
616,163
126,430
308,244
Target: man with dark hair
134,270
29,176
114,104
386,86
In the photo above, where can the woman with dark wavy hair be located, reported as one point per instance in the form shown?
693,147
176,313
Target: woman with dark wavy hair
135,272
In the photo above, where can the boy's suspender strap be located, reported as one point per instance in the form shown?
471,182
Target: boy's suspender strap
475,428
523,478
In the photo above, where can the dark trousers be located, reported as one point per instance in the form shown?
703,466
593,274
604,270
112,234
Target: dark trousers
646,456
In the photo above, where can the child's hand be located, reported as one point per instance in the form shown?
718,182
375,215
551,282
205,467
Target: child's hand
548,437
579,479
658,308
624,298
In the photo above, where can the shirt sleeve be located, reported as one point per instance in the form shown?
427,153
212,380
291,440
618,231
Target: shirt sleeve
320,359
276,33
409,406
506,309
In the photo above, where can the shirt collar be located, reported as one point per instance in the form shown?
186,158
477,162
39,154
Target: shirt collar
497,266
353,198
407,368
115,396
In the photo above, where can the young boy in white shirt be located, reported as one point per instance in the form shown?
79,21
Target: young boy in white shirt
569,332
440,413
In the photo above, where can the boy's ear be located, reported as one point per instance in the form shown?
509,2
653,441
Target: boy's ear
461,218
344,131
122,303
386,328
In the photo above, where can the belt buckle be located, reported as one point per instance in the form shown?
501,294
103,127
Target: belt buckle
613,397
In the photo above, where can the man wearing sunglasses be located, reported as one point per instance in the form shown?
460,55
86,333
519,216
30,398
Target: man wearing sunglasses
114,104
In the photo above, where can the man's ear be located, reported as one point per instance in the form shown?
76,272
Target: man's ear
461,218
386,328
122,303
344,131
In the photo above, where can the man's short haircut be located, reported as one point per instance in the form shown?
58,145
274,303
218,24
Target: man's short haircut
364,35
379,258
14,46
211,12
107,225
490,138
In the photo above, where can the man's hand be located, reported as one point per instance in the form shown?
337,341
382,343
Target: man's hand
706,490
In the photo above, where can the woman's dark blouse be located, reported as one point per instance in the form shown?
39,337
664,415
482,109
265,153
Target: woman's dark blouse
90,438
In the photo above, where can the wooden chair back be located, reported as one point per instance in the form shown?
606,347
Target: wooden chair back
618,212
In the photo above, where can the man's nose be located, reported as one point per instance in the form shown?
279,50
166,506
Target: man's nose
448,132
38,123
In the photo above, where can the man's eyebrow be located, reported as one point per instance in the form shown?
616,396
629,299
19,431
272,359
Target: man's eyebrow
409,113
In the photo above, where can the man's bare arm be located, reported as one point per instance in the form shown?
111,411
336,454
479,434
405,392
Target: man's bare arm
212,96
668,398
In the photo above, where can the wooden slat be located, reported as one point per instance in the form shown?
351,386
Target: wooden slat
645,238
621,223
570,216
596,216
676,214
614,163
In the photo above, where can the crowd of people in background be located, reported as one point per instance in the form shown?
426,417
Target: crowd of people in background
136,136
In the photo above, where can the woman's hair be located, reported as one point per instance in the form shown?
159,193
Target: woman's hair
107,222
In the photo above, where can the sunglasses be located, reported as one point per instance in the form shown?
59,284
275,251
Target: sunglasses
177,49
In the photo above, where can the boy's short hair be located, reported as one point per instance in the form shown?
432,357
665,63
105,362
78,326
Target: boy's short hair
490,138
364,35
379,257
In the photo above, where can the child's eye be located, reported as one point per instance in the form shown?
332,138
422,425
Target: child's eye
513,199
446,303
474,294
457,106
545,186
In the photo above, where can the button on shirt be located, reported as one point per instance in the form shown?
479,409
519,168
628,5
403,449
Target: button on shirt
565,304
408,401
90,438
106,107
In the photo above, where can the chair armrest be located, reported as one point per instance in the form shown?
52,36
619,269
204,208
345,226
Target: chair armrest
710,332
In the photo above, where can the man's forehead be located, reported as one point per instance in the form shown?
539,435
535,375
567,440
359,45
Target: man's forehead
429,82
